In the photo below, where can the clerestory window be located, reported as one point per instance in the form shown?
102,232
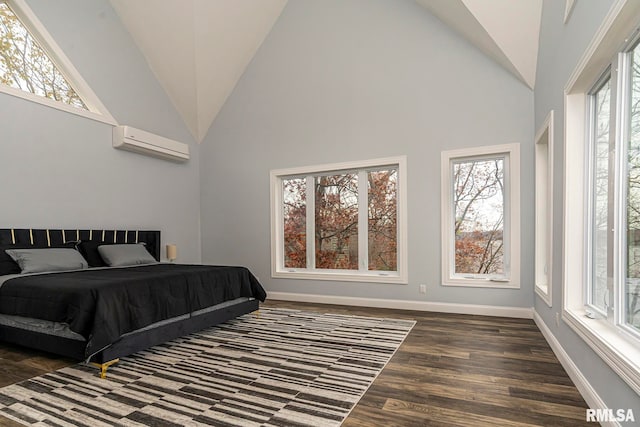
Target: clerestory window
26,66
34,68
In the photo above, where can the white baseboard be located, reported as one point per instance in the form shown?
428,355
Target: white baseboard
582,384
441,307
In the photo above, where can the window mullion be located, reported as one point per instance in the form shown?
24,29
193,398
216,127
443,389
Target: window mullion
616,254
363,221
506,209
451,225
620,171
311,222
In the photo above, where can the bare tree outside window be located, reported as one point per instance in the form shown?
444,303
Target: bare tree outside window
383,220
335,216
295,222
478,190
24,64
337,221
602,101
632,286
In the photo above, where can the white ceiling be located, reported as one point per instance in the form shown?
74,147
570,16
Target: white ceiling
507,31
198,49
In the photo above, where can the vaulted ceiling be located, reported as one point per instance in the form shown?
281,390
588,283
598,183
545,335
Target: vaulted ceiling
199,49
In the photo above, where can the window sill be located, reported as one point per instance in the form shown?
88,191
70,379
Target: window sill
480,283
57,105
613,345
543,292
340,276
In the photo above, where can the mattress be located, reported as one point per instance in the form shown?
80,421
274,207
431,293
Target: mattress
103,305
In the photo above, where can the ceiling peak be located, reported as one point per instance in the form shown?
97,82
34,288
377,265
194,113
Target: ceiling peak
505,30
198,49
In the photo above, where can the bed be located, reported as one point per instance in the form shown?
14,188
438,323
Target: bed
102,313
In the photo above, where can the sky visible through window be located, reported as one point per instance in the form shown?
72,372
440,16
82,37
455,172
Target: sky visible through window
478,187
25,65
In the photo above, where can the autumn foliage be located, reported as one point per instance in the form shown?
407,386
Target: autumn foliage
336,221
479,216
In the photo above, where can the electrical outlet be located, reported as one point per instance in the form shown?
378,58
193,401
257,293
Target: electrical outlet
423,289
557,319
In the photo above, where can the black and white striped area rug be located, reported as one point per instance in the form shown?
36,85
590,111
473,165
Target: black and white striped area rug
283,368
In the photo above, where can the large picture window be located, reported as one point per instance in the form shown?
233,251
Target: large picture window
479,216
601,254
543,262
340,222
614,220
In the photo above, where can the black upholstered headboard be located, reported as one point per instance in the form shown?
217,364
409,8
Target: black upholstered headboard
43,238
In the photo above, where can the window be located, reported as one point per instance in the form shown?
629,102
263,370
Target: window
34,68
544,210
25,65
602,195
631,287
480,217
615,221
340,222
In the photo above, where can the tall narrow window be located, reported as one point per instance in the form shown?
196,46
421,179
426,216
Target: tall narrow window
601,214
631,292
383,219
294,196
26,66
544,210
478,191
480,224
340,222
337,221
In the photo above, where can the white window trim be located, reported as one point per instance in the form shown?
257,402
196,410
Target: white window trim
544,213
512,197
96,110
619,349
277,256
568,8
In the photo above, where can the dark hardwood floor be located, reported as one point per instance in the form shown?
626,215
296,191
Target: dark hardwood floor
460,370
452,370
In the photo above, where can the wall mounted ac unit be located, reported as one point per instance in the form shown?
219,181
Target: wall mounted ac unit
139,141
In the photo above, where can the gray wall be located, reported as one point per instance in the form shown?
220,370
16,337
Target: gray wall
59,169
561,47
350,80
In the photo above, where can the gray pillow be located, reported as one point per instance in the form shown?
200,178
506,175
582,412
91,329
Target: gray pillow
47,259
126,254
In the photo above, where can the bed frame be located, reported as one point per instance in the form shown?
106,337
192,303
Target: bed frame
131,343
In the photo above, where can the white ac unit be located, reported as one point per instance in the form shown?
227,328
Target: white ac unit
139,141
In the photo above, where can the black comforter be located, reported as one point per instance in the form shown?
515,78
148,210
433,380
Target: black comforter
103,304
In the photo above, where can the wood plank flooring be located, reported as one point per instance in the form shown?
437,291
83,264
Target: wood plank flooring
452,370
459,370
